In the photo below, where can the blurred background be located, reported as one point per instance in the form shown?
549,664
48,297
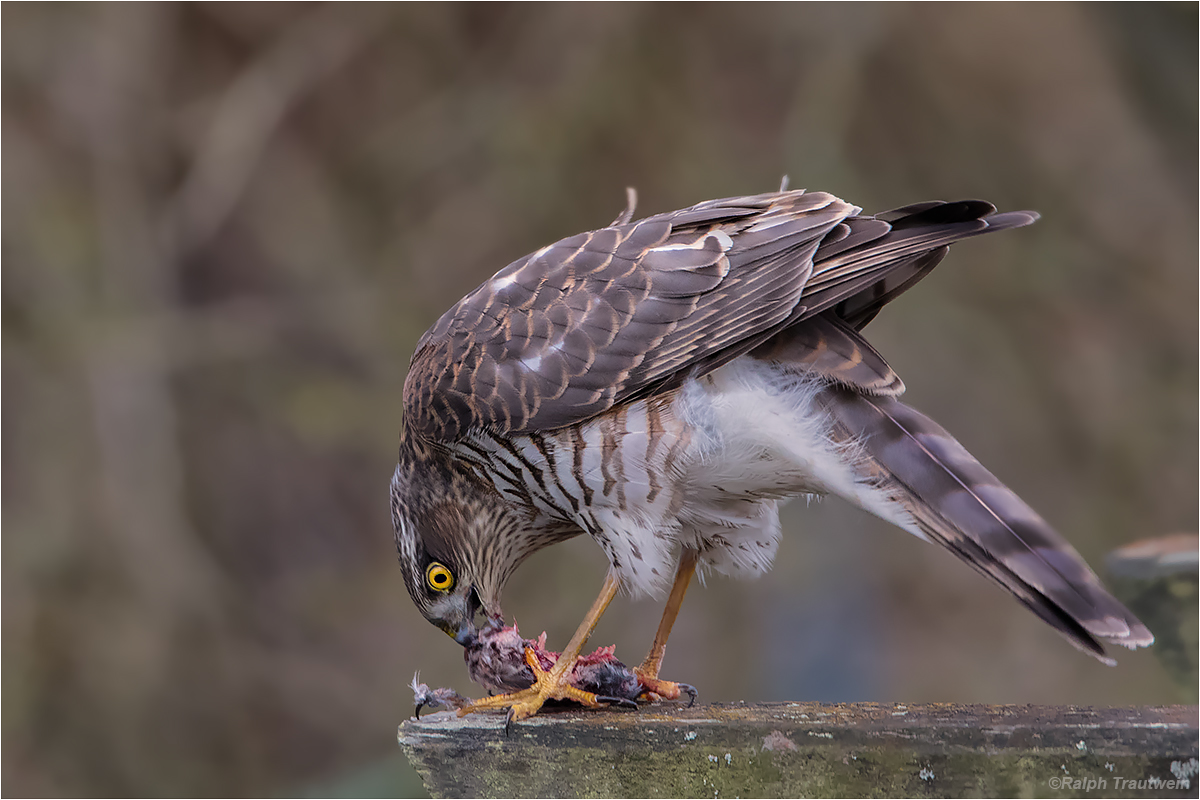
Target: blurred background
225,226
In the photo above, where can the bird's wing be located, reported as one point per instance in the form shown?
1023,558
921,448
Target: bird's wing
607,316
827,345
954,501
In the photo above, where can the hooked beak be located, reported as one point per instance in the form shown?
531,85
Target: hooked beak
464,634
458,620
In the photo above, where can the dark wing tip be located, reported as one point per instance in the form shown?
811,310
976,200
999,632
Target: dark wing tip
939,212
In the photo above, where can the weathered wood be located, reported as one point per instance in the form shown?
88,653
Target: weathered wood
812,749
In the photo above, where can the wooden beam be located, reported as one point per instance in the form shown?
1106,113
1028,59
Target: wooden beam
812,750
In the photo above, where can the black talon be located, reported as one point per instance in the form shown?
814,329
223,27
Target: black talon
623,702
691,693
508,719
417,710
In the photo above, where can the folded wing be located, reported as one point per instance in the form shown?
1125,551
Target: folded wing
608,316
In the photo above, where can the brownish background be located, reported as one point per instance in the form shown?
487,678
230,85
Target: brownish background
226,225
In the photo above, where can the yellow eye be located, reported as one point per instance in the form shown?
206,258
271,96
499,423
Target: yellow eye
439,578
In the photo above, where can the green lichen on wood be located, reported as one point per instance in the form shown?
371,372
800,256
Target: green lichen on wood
807,750
1157,579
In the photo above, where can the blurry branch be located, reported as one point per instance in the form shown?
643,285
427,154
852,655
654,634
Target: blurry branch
239,328
253,107
129,371
818,142
134,413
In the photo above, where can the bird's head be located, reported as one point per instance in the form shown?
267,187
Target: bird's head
455,539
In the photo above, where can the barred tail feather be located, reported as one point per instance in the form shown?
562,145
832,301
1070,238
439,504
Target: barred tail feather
955,501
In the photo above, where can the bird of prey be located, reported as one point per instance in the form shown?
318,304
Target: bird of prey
663,385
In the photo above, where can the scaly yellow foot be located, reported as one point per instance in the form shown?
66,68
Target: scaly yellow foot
653,688
550,685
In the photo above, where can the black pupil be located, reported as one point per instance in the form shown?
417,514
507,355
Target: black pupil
439,578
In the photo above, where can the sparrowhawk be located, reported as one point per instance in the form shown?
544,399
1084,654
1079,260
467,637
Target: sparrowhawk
664,385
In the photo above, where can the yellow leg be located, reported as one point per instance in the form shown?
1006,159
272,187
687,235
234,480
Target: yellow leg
553,685
648,671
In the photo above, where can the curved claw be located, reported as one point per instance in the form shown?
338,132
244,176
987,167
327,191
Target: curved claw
620,702
655,689
417,710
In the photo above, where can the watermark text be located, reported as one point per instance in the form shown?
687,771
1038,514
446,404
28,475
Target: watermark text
1086,785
